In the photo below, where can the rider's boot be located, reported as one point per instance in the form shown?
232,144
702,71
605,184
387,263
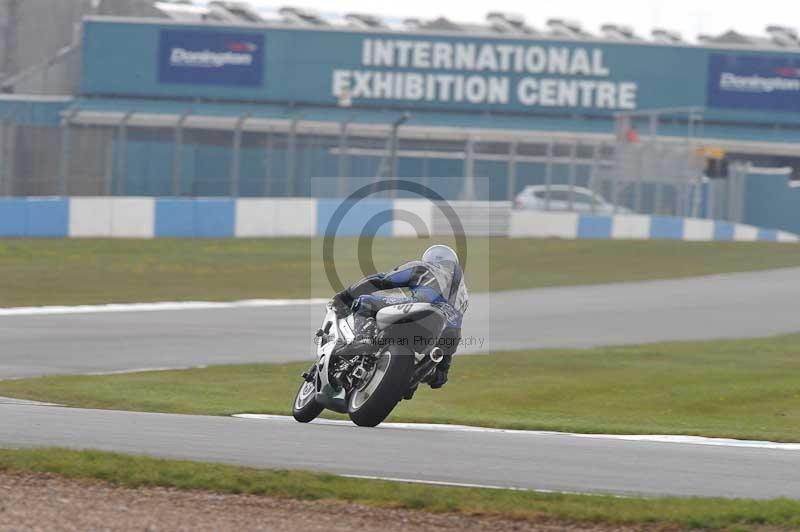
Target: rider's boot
439,376
410,393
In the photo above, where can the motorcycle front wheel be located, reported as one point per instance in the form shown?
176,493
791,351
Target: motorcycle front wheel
305,407
370,403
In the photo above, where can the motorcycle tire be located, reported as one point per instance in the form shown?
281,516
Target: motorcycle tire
370,404
305,407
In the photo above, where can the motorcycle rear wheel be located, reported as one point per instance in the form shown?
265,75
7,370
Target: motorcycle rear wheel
305,407
371,403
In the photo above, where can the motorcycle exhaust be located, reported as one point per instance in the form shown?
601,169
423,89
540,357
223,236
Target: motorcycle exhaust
436,355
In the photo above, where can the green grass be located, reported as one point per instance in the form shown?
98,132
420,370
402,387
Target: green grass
663,513
38,272
740,389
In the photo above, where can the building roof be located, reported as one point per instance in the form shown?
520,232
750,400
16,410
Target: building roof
220,11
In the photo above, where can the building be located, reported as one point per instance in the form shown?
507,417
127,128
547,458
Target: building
174,98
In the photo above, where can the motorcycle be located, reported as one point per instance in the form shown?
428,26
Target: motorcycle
369,383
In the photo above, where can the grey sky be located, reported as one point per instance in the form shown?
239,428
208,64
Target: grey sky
687,16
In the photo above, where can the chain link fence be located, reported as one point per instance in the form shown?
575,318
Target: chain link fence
138,154
655,178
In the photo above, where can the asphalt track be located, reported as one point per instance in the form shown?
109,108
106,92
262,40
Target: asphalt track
556,462
727,306
724,306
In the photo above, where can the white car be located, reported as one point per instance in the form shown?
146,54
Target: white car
583,200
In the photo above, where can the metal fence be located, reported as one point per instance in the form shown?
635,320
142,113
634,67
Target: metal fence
128,153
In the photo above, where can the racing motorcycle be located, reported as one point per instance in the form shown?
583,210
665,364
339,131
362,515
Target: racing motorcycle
367,384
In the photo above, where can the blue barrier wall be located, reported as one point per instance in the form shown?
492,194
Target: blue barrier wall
771,201
34,217
665,227
594,227
203,218
13,217
225,218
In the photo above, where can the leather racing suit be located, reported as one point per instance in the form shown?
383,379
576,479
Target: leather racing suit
441,284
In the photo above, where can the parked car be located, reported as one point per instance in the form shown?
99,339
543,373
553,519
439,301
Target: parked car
583,200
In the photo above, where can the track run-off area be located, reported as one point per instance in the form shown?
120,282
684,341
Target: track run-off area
72,340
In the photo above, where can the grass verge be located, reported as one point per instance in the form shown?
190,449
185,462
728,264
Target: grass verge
64,271
737,389
668,513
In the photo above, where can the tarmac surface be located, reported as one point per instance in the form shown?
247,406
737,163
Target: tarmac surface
724,306
442,454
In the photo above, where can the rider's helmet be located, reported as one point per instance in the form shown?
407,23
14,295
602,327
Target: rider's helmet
439,253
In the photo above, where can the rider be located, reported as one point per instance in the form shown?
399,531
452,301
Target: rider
436,279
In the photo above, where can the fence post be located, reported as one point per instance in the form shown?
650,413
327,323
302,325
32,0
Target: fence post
108,169
596,149
548,174
268,163
309,145
726,215
236,166
512,170
573,153
291,156
640,170
729,193
5,178
658,198
342,170
395,141
680,200
711,193
123,147
742,185
177,154
426,162
64,158
736,181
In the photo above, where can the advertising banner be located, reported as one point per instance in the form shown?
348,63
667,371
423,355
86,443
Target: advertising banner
754,82
201,57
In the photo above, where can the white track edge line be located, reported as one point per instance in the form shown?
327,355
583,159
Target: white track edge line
652,438
23,402
479,486
156,307
104,373
139,370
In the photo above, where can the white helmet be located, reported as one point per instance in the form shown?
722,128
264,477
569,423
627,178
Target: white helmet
439,253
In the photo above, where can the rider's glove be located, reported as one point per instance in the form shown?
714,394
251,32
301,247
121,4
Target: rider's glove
341,304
